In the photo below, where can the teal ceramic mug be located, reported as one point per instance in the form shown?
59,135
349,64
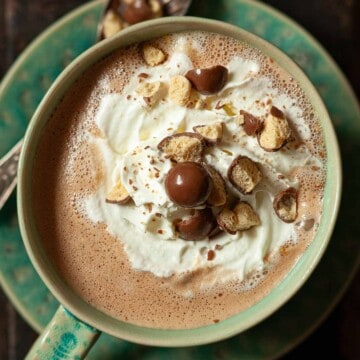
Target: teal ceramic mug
76,325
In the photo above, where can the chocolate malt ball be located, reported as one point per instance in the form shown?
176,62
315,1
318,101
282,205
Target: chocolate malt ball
188,184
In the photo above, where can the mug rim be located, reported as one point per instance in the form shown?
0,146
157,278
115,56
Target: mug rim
278,295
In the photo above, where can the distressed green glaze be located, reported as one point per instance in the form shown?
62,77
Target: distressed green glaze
26,83
63,338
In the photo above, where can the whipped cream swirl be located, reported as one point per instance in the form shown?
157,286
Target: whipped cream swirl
131,132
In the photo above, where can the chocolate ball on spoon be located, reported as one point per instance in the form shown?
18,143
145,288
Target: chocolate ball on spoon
135,11
119,14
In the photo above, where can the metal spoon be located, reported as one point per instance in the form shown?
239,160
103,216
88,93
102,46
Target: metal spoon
9,162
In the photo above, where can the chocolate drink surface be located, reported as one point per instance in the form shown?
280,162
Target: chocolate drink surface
109,215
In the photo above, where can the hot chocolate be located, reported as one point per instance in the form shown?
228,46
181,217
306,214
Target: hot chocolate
110,211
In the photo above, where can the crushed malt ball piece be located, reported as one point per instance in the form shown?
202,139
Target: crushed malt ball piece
275,131
244,174
211,133
111,24
241,217
118,194
179,90
239,119
149,91
251,123
153,56
228,108
227,221
182,147
208,81
285,205
218,194
246,216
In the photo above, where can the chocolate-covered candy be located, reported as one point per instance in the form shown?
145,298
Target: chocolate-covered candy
275,132
218,194
242,217
211,133
185,146
285,205
197,226
188,184
251,123
208,81
244,174
135,11
118,194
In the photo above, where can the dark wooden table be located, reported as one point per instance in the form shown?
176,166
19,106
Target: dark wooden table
335,23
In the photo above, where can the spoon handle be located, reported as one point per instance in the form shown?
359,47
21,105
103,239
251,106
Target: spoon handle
8,172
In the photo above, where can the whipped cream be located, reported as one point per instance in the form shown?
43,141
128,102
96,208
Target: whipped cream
131,132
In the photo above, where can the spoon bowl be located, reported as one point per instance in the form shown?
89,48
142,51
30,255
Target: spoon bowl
119,14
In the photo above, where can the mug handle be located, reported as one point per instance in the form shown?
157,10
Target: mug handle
65,337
